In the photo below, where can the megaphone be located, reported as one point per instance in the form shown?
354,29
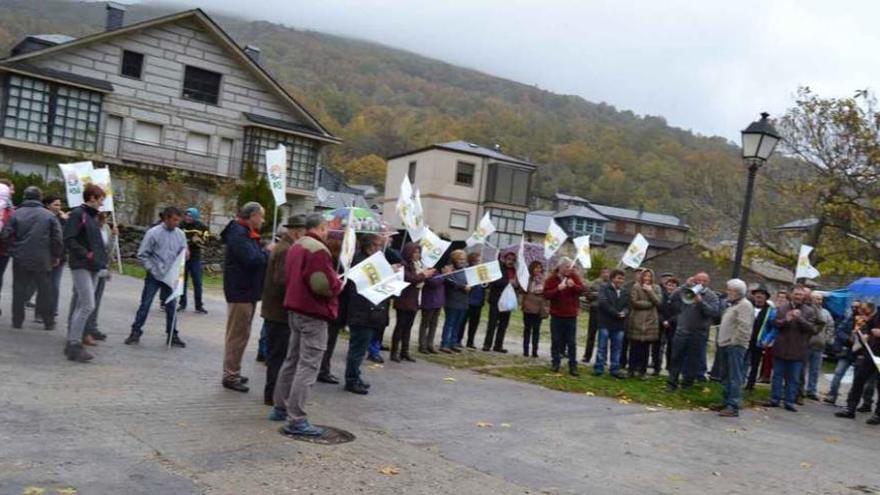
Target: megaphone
689,294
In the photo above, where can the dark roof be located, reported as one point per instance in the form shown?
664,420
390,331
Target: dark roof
76,79
281,124
333,200
469,149
799,224
581,212
641,216
538,221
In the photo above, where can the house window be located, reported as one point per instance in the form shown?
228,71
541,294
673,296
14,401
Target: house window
302,155
132,64
412,171
148,133
509,226
198,143
508,185
459,219
47,113
464,174
201,85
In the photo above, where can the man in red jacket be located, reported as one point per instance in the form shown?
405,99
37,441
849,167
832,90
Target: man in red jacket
564,288
311,300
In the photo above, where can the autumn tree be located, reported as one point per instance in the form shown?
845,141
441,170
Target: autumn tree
368,169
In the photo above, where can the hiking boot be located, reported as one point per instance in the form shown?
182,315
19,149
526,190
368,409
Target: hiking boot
303,428
728,412
175,341
133,338
236,385
846,413
278,414
357,388
75,352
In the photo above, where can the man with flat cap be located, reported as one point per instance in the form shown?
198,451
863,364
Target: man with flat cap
765,315
273,312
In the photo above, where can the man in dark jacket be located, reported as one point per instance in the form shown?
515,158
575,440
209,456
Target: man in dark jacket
197,234
365,319
243,271
669,309
866,370
311,299
796,322
692,333
498,320
613,310
86,256
272,308
37,248
592,297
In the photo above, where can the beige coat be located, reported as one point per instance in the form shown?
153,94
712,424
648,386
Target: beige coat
736,324
644,321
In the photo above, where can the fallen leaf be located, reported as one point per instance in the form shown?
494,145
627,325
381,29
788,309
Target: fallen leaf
806,465
676,477
483,424
505,425
704,409
66,491
376,366
732,430
33,490
449,379
832,439
623,401
652,409
182,424
590,394
389,471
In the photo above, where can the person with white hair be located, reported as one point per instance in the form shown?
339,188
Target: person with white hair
733,342
563,289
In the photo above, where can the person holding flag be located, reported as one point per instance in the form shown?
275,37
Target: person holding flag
160,253
197,234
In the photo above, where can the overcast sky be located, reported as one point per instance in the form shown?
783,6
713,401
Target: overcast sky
709,66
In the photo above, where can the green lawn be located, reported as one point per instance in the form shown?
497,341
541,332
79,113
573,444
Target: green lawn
209,280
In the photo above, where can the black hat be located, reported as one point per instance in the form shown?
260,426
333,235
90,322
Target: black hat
296,222
760,288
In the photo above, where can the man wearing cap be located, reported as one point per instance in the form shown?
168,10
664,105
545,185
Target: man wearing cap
765,316
274,315
197,235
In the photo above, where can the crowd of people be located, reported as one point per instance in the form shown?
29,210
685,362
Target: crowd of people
635,326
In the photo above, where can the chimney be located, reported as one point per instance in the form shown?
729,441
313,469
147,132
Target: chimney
253,53
115,14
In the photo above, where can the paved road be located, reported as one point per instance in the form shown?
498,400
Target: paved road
155,421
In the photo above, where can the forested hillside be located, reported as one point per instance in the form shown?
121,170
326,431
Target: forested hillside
382,100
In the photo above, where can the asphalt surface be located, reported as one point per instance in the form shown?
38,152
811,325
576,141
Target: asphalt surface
149,420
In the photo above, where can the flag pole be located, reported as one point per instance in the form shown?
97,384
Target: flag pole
116,239
173,322
275,222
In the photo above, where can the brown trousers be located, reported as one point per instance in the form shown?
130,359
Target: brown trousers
239,317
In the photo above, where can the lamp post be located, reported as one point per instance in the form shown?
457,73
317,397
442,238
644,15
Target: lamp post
759,140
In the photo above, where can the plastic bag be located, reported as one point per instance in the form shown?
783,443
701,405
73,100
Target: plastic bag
507,301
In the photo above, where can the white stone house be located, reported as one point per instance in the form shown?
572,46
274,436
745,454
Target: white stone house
171,93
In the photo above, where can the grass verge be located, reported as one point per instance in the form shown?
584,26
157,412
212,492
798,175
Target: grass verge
209,280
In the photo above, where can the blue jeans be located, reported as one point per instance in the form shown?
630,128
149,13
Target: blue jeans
451,324
730,361
815,366
686,357
843,364
193,268
151,287
616,339
790,372
358,341
563,334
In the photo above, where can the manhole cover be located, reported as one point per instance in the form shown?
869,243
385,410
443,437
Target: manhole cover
331,436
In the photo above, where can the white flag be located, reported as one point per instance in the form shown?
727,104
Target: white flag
174,277
276,172
483,273
804,268
76,176
433,248
417,228
349,243
484,229
522,268
582,246
101,178
406,208
554,239
376,280
636,252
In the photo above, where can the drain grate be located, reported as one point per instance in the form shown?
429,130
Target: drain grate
331,436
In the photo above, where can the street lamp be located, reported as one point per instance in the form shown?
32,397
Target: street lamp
759,140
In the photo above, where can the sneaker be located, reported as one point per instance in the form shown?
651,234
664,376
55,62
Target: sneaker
278,414
357,388
873,420
76,352
846,413
789,407
176,342
133,338
303,428
728,412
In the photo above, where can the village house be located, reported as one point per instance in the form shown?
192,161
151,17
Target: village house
459,182
171,93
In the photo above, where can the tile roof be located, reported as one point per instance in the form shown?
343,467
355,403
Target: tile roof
470,149
582,212
281,124
538,221
76,79
640,216
335,200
